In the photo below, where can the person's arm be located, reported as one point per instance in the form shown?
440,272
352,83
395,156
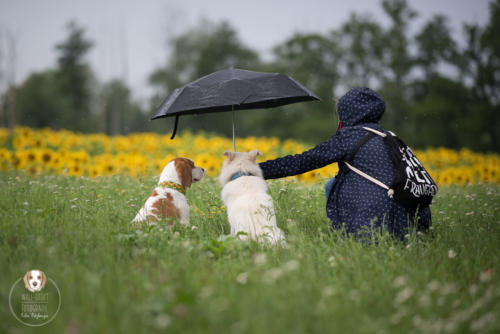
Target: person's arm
317,157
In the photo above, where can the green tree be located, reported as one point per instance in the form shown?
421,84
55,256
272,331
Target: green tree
40,102
437,92
431,103
442,114
311,59
74,78
362,43
120,114
435,46
481,66
398,65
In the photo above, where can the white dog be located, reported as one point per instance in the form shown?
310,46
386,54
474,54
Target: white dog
250,209
168,200
34,280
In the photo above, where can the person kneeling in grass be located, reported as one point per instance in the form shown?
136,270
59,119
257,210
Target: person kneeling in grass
353,202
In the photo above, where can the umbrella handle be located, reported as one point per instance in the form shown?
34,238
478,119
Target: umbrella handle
175,127
234,140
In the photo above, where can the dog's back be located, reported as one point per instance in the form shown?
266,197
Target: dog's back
163,204
250,209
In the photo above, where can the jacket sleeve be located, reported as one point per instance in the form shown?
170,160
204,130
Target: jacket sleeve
317,157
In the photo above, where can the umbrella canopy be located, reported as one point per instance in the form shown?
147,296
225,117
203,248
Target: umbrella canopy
233,89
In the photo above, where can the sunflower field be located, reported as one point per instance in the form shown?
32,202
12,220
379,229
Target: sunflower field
45,151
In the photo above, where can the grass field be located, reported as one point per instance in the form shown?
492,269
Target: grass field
195,280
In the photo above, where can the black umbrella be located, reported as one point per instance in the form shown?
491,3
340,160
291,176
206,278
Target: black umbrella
230,90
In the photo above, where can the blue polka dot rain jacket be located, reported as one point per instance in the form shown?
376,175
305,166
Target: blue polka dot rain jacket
355,202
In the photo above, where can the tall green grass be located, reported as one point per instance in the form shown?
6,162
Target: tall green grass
194,279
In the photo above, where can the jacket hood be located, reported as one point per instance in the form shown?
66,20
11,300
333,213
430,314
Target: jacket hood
360,105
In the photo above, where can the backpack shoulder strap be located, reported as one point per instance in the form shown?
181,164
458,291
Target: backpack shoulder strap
347,163
360,143
381,134
350,157
390,191
372,133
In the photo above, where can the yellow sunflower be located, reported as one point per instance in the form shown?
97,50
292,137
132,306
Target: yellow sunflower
445,178
46,157
95,171
56,162
34,169
76,170
5,159
37,143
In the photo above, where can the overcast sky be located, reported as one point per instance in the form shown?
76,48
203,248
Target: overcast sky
130,35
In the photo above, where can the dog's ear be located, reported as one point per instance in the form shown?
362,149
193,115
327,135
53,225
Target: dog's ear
44,280
184,168
230,155
26,278
254,154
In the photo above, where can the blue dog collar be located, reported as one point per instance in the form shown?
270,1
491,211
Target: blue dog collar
239,174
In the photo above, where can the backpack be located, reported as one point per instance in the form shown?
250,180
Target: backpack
412,185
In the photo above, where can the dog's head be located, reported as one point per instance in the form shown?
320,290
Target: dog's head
239,162
34,280
182,171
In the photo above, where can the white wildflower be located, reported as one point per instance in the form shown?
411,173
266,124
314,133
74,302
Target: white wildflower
400,281
206,292
354,295
242,278
433,285
484,323
260,259
448,289
396,318
425,300
219,304
403,295
473,289
162,321
291,265
451,254
328,291
485,276
272,275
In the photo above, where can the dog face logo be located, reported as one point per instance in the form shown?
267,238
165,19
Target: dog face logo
34,280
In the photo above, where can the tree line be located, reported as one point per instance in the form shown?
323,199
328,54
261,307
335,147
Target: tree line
440,91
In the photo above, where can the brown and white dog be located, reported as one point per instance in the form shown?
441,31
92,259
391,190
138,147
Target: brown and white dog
34,280
168,200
